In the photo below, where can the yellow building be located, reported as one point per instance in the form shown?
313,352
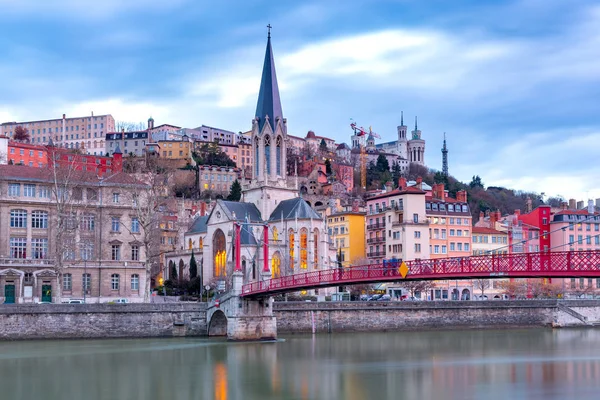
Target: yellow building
347,229
175,149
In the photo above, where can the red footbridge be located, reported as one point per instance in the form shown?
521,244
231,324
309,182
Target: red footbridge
527,265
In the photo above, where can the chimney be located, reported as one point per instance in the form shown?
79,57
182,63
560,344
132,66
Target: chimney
481,215
64,116
439,192
402,183
92,113
461,196
591,206
498,215
419,183
487,213
572,204
202,209
580,205
493,219
355,205
388,186
564,205
529,205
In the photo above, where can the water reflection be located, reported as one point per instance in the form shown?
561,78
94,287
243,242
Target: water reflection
519,364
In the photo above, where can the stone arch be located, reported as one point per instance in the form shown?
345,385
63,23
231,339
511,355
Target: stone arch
318,203
219,254
276,265
218,324
466,294
181,267
303,189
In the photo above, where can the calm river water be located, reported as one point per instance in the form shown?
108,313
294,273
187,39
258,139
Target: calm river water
507,364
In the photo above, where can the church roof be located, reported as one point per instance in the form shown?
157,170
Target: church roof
343,146
269,102
199,225
241,211
292,209
247,237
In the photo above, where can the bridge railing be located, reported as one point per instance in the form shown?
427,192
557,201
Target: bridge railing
541,264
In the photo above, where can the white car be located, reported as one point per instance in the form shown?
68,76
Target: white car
76,301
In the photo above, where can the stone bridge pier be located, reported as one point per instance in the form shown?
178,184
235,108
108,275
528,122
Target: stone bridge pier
240,318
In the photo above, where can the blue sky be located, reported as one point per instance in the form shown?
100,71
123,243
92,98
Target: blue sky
515,84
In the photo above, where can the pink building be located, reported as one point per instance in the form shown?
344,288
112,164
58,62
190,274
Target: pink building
575,230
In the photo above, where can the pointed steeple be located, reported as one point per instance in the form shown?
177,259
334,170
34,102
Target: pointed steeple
401,118
416,129
269,103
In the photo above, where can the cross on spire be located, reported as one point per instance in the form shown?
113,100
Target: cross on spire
269,31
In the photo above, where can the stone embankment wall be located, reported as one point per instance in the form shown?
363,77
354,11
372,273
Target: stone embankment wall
332,317
78,321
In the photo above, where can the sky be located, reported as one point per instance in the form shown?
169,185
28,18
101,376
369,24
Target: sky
514,84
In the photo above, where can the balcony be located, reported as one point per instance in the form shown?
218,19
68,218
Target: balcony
379,225
380,239
26,262
376,254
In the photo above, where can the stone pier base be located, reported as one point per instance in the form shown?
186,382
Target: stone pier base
243,328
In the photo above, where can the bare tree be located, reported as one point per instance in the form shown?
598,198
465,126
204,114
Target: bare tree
147,200
414,287
129,126
481,285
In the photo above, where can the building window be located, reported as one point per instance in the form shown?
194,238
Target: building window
417,234
18,218
43,191
417,248
135,225
67,282
87,250
115,252
18,247
115,198
29,190
135,253
39,248
39,220
135,282
88,223
116,224
14,189
114,281
86,282
304,248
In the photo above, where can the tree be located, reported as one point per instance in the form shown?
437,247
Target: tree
482,285
21,134
396,172
323,147
173,272
514,289
211,154
417,287
439,177
193,267
476,182
382,164
328,167
235,193
129,126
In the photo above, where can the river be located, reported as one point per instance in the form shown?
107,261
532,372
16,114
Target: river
493,364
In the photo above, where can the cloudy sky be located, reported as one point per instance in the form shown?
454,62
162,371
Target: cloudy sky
515,84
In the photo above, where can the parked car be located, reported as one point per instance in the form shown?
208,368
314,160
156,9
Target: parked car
45,302
121,301
76,301
385,297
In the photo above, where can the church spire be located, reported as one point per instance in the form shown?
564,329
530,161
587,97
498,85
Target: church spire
416,123
445,158
401,118
269,103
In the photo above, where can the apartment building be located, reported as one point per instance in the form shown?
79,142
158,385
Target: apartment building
347,230
84,133
128,142
176,149
450,223
103,257
488,241
575,230
217,179
397,224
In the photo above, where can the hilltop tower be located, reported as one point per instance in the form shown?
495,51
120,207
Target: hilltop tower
445,158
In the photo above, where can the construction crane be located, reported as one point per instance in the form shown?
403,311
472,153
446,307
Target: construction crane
362,135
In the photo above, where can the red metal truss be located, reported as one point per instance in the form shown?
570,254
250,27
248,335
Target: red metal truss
526,265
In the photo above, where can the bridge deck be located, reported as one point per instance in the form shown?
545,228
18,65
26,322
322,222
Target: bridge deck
526,265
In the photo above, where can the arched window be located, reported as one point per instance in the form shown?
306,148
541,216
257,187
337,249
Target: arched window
278,155
303,248
275,234
201,240
190,244
291,246
114,281
256,157
219,255
276,265
268,153
316,248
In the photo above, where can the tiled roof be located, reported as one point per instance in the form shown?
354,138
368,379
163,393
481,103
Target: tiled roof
25,173
478,229
241,210
199,225
292,209
408,190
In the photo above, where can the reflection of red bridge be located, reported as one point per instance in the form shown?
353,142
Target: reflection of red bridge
526,265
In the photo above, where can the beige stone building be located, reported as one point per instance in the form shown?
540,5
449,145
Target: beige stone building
87,133
217,179
103,257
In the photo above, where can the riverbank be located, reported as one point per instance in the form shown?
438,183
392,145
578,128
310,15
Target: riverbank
78,321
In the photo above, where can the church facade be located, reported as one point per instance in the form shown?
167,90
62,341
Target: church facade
280,233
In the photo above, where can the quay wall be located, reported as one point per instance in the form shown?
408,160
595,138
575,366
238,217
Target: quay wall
80,321
84,321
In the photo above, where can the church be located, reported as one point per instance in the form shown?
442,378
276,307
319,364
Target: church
280,233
